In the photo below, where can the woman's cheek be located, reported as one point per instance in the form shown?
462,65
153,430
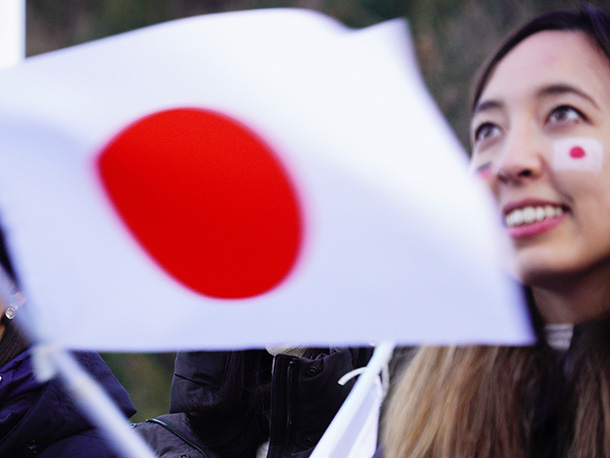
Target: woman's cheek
582,154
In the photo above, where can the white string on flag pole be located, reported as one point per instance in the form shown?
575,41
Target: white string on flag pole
332,443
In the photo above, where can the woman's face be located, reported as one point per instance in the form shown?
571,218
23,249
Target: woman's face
541,141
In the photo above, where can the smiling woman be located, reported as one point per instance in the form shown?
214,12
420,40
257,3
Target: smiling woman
540,134
543,136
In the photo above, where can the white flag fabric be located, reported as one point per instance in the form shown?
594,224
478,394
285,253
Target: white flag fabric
361,440
353,431
359,437
243,179
365,442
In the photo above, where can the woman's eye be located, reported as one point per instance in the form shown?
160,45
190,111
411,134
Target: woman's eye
565,114
485,131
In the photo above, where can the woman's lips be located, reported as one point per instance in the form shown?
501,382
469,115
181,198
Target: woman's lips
530,218
534,229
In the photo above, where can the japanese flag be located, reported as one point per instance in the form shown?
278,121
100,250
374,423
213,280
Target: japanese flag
243,179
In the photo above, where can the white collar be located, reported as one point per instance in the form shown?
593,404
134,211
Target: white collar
559,335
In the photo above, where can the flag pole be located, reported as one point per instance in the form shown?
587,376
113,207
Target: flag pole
12,32
339,428
98,406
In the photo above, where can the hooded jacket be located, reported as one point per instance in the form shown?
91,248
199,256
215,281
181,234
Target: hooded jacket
305,396
40,419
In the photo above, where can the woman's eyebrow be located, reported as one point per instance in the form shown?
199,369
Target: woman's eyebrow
559,89
486,105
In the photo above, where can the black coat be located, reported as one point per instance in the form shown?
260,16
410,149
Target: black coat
40,419
305,396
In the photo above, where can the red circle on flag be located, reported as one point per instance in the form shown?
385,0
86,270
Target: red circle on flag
207,199
577,152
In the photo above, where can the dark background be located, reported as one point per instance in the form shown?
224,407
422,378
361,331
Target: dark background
452,38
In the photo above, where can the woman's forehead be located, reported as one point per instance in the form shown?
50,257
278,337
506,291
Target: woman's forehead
549,58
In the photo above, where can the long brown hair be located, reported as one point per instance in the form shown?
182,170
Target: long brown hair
483,401
504,401
454,401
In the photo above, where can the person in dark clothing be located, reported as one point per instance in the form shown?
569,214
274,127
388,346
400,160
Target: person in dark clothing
253,403
541,142
40,418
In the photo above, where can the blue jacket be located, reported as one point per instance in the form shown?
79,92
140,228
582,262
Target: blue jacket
40,419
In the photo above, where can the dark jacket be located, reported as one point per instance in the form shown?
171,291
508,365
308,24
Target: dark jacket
40,419
305,396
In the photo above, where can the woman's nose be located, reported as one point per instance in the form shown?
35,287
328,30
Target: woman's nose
521,160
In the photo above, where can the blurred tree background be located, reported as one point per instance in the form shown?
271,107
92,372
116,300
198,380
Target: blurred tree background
452,39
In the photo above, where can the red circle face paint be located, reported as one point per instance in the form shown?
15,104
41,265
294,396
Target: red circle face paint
577,152
582,154
207,199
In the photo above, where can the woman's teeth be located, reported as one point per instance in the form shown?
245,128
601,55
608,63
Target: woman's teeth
528,215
